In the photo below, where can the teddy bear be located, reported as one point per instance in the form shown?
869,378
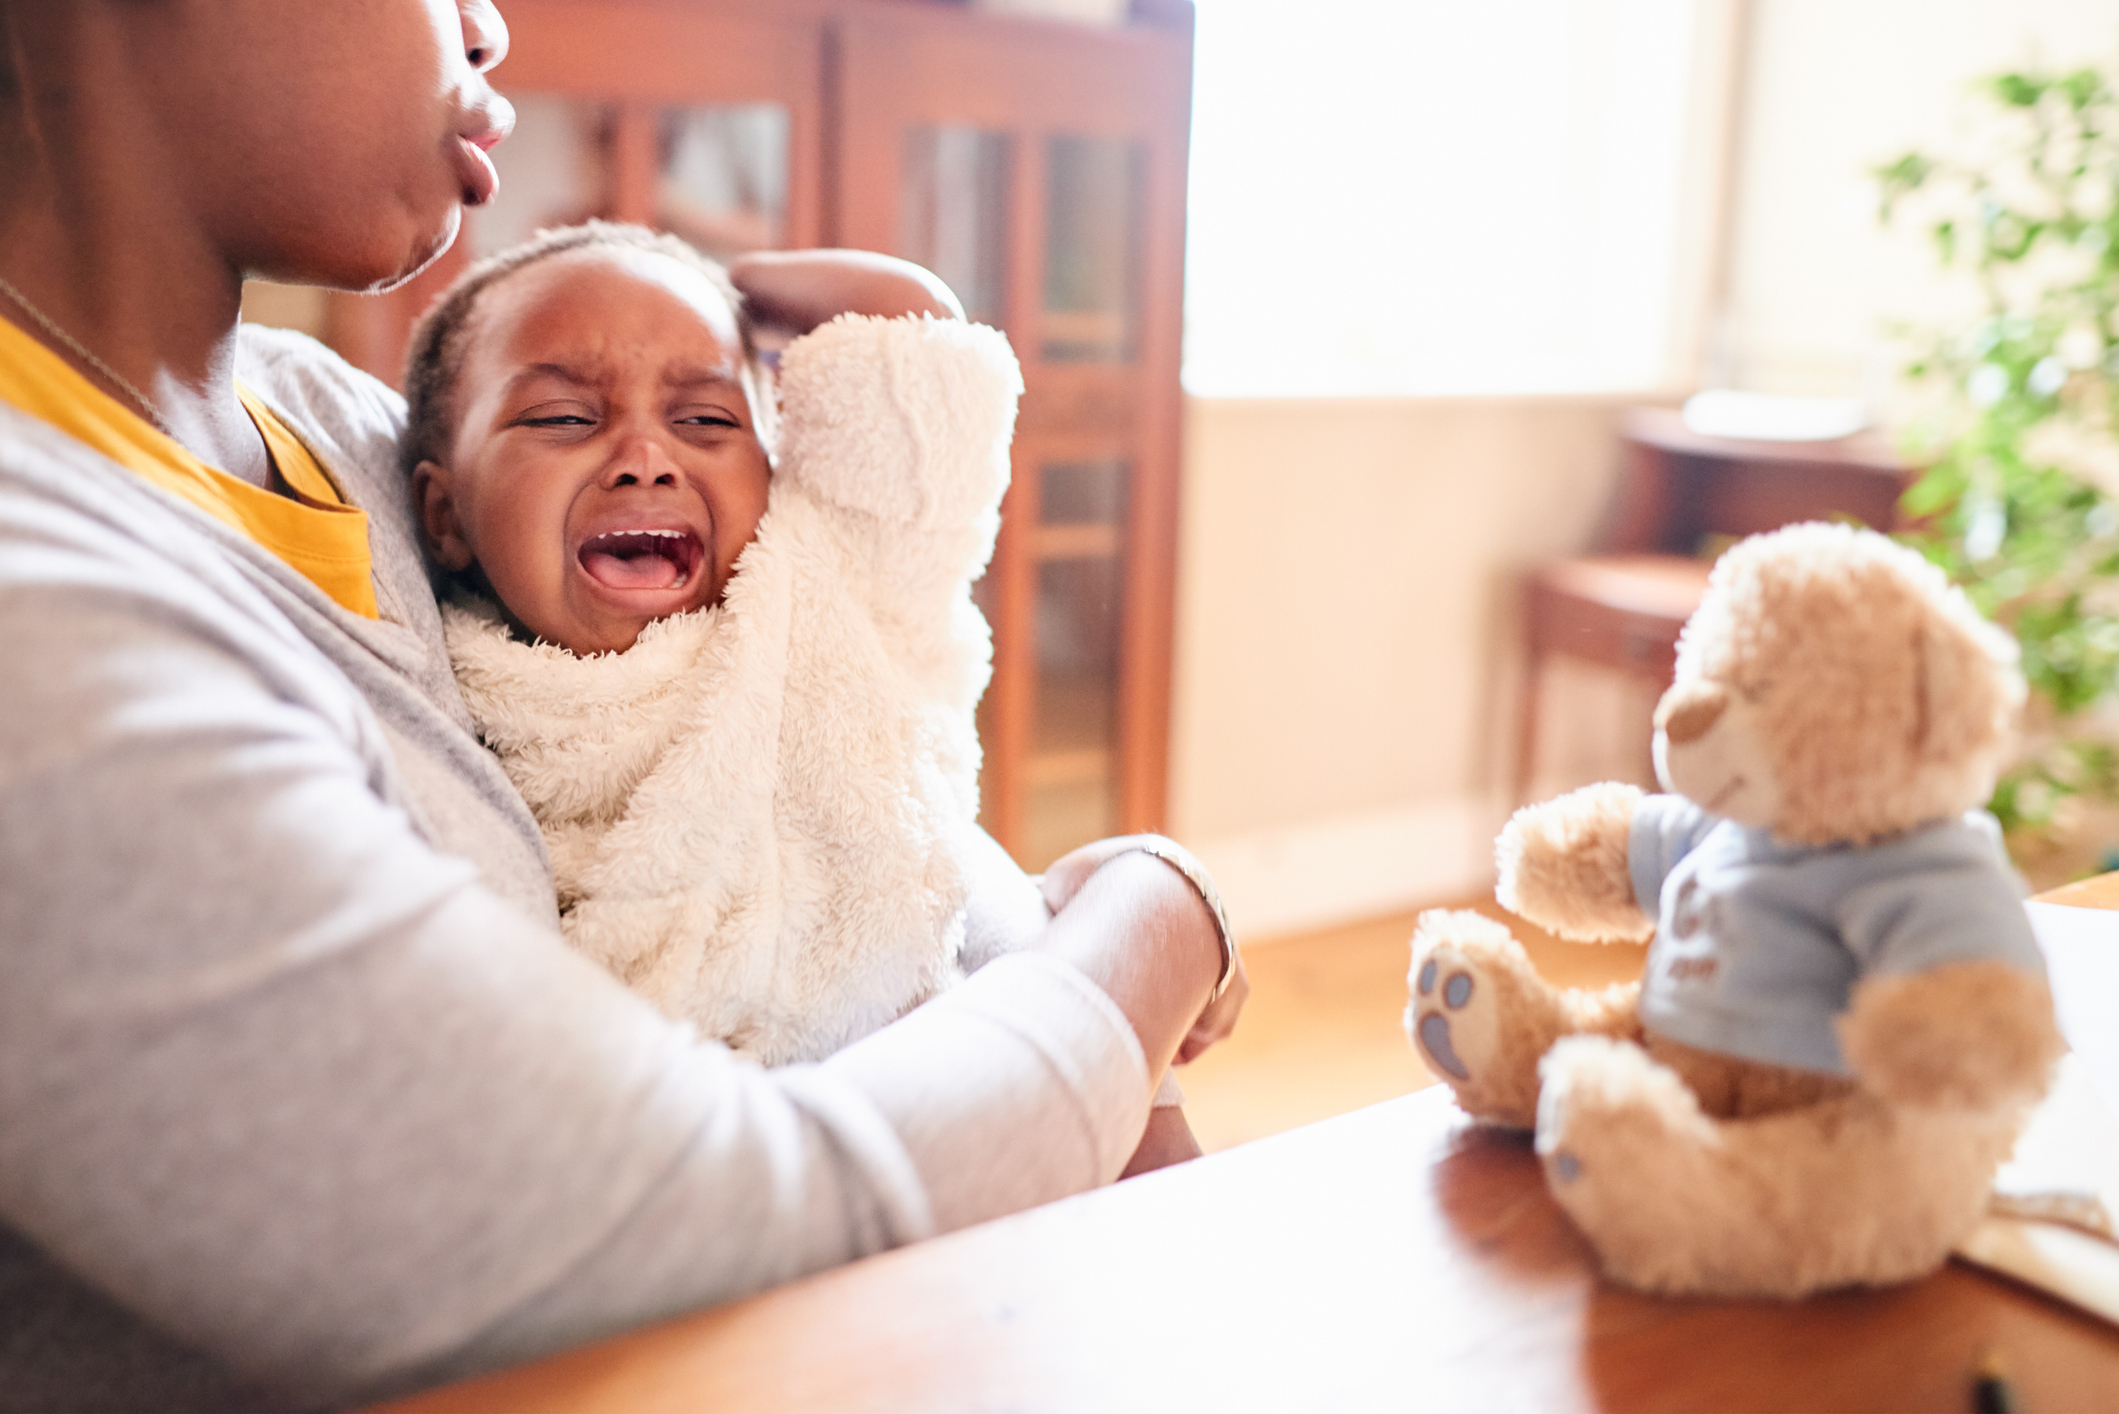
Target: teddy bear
1843,1020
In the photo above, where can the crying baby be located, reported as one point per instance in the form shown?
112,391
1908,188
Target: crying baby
737,691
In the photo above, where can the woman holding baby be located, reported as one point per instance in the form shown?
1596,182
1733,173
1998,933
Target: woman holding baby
302,1098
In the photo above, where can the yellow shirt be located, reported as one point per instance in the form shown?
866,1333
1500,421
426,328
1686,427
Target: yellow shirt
319,536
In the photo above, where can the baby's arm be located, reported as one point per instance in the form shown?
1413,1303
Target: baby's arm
899,430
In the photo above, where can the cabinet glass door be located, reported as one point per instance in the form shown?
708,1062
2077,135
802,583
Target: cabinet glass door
723,176
1070,776
554,170
953,213
1092,248
1038,169
716,175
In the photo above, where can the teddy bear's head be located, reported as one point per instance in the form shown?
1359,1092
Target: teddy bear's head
1834,686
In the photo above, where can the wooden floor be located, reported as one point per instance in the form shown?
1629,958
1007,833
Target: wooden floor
1323,1033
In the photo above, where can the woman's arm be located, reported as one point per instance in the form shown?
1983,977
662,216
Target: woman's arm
283,1080
1071,873
1163,982
1007,911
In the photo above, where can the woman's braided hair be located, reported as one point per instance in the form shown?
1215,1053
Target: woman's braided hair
435,357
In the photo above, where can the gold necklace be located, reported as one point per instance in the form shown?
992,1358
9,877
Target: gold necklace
80,350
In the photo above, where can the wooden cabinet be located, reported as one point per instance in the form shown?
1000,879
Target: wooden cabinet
1039,167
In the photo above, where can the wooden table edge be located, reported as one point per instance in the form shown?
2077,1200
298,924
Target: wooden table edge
2101,891
1430,1110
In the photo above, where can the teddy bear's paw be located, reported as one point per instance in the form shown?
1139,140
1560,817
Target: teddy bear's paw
1909,1036
1562,864
1473,1008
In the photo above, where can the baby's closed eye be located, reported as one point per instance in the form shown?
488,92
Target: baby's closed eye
567,413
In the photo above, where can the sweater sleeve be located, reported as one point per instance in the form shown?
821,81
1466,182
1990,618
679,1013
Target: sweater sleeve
1665,829
905,424
1940,895
293,1086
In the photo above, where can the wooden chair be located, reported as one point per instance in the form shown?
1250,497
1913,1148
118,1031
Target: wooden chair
1682,496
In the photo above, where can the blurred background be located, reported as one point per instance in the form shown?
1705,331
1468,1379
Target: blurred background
1355,334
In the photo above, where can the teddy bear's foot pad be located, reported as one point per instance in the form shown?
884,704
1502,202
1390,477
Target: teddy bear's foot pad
1433,1029
1468,978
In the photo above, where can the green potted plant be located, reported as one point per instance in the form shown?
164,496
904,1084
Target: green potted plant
2021,440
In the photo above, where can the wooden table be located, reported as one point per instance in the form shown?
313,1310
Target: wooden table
1395,1258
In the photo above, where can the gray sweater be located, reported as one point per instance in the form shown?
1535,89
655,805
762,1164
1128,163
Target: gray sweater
302,1100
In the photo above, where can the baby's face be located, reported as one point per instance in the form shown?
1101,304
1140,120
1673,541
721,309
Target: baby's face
605,471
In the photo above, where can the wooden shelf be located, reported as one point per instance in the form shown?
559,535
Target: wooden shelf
1076,542
1061,768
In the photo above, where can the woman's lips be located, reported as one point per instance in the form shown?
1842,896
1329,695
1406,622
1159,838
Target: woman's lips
475,170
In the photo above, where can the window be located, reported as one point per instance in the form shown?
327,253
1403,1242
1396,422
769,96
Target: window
1435,197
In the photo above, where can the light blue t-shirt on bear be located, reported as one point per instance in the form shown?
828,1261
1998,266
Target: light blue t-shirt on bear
1759,944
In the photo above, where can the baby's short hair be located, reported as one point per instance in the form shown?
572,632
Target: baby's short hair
436,354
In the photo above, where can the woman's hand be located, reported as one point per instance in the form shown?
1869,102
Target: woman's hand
791,292
1066,877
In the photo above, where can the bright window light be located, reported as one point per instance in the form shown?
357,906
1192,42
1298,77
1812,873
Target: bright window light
1437,197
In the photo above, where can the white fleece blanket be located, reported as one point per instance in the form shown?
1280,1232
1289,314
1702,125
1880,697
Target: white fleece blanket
756,814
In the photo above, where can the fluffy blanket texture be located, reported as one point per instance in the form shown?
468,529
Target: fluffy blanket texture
756,814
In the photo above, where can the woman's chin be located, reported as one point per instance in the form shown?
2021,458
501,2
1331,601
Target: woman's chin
424,252
382,265
391,260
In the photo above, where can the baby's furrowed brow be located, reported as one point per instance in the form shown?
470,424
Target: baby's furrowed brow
700,375
578,375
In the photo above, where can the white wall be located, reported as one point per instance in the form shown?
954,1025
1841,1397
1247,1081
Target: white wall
1835,88
1346,675
1346,666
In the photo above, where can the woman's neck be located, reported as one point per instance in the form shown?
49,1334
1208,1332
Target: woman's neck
93,238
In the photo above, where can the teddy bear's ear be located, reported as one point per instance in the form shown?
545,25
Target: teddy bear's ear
1959,692
1934,671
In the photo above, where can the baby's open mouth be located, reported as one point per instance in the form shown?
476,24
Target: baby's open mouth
642,559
